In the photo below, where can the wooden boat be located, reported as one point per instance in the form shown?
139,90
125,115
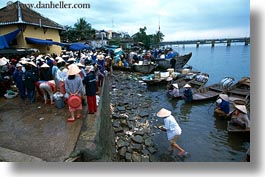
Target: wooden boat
236,129
144,68
154,81
207,93
240,90
181,61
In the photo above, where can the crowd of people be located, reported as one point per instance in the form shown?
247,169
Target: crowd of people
70,73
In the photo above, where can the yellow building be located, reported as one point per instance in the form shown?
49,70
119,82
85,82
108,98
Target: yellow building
36,31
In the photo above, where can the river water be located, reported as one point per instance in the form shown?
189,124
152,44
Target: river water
204,136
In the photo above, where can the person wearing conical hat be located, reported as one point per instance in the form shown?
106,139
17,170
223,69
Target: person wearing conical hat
173,130
223,108
174,91
19,78
187,93
45,74
91,89
240,116
73,86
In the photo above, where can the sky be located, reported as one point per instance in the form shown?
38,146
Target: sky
178,19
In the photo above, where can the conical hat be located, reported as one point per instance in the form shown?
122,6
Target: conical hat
175,85
242,108
224,97
60,60
163,113
2,62
80,64
169,79
187,86
73,69
32,63
44,65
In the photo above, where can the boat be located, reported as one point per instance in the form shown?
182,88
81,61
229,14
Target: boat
236,129
212,92
207,93
240,90
181,61
151,80
144,68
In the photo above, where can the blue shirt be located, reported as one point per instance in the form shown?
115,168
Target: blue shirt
224,106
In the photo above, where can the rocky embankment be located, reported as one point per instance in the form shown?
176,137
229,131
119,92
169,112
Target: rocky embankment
130,117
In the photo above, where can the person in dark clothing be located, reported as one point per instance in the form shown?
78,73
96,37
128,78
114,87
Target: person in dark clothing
187,93
19,78
45,74
223,108
29,82
173,63
91,89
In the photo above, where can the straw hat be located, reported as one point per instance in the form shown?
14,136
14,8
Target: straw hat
100,57
169,79
60,60
187,86
2,62
163,113
18,65
32,63
73,69
241,108
80,65
44,65
71,59
175,85
224,97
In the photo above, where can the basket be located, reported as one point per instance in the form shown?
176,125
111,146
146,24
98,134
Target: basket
74,101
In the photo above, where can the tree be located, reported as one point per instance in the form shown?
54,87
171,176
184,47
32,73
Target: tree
147,40
82,31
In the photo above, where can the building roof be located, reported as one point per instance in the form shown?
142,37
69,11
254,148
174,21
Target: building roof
19,13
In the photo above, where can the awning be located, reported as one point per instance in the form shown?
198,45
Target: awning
79,46
31,40
7,38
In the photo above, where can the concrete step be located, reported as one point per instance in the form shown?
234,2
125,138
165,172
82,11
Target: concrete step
8,155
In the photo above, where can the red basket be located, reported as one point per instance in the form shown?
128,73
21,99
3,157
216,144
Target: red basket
74,101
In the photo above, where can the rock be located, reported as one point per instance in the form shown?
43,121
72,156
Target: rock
121,143
136,157
128,157
124,123
116,124
151,150
144,114
145,159
141,133
122,151
148,141
137,147
137,139
117,130
121,109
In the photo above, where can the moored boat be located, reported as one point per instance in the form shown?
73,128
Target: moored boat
232,128
144,68
181,61
207,93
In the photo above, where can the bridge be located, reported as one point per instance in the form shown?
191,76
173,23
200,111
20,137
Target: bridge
198,42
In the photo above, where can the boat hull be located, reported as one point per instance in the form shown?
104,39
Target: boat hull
145,68
181,61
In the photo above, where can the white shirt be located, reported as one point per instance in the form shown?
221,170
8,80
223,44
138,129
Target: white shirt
172,127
